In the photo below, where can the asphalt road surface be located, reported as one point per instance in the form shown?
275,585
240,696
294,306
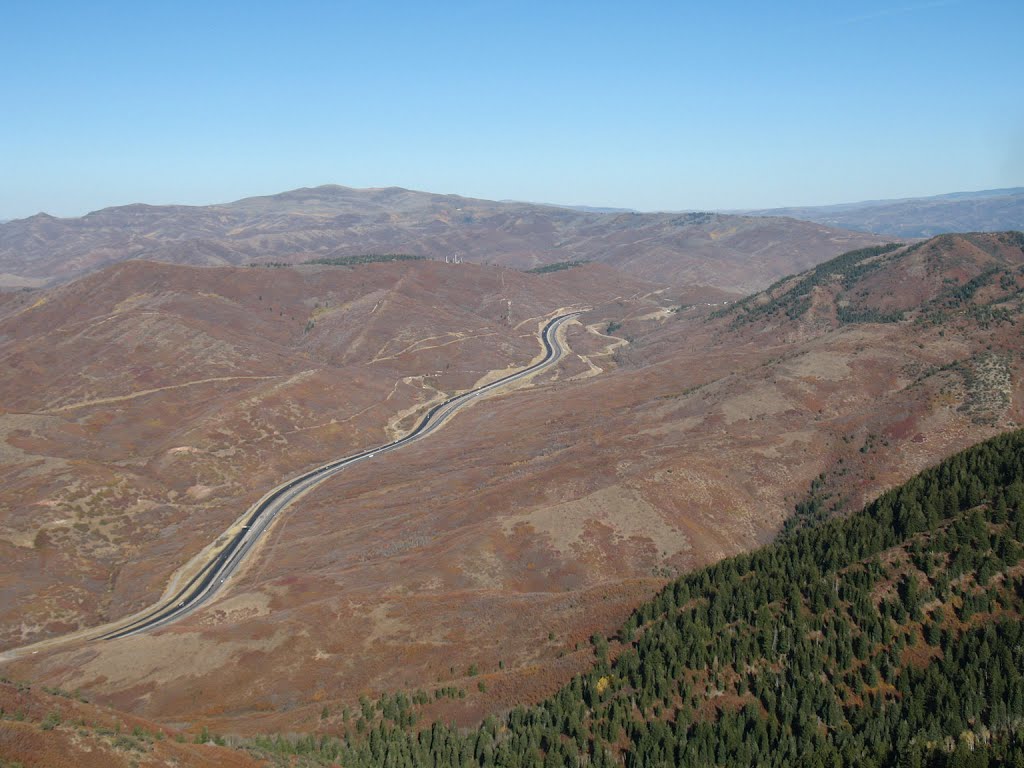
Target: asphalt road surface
204,585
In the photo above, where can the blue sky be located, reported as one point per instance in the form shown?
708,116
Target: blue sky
646,105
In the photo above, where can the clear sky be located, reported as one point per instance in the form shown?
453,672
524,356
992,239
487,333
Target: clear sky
670,105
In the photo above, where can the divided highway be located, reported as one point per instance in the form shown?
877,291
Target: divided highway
206,583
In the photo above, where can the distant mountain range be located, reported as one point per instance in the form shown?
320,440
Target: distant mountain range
738,251
731,252
989,210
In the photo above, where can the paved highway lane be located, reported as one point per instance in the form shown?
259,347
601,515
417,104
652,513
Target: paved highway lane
205,584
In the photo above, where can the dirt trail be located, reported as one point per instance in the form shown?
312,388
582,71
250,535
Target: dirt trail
415,346
594,369
144,392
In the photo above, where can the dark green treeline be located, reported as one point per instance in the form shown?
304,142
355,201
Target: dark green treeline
892,637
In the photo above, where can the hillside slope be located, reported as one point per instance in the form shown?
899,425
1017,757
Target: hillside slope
672,438
892,637
950,278
740,253
145,407
44,727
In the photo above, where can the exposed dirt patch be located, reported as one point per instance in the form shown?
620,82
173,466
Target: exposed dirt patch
615,512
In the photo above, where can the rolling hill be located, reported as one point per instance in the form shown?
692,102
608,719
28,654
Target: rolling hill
678,434
891,637
145,405
737,253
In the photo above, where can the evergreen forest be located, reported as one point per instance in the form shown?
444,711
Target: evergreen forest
889,637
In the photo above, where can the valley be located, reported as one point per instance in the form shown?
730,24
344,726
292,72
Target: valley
512,386
649,393
681,427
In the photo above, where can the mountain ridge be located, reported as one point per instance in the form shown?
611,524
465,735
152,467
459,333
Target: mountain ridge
913,217
730,252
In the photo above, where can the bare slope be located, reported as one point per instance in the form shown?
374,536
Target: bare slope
44,727
682,437
144,407
731,252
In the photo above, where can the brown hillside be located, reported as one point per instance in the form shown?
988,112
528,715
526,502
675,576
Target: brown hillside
741,253
543,516
49,728
144,407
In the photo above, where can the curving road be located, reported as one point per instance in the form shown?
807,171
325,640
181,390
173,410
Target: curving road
206,583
